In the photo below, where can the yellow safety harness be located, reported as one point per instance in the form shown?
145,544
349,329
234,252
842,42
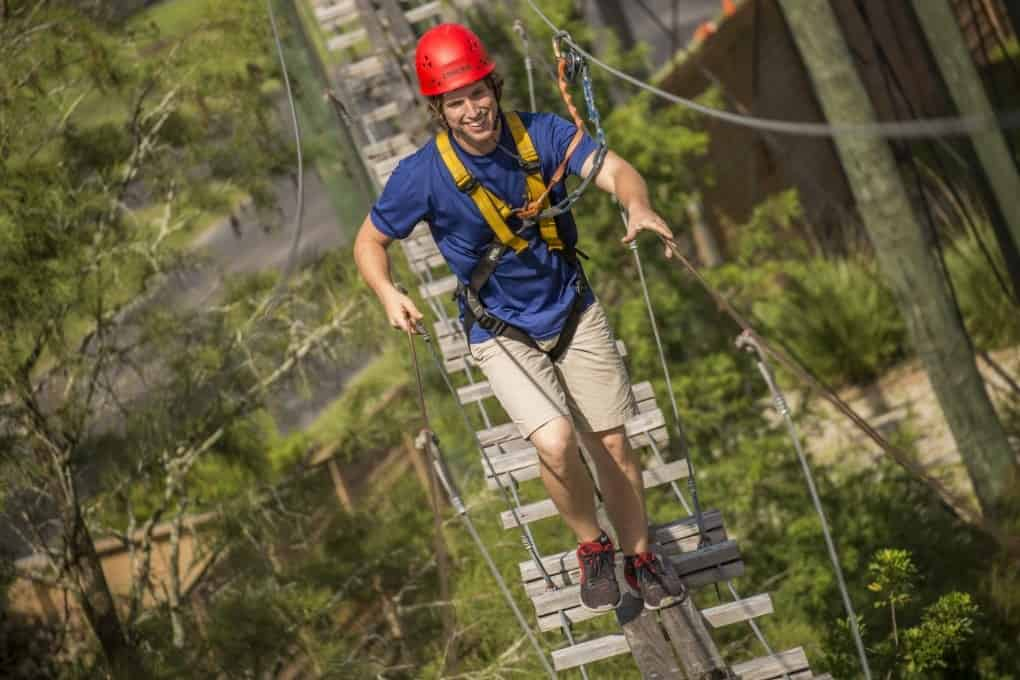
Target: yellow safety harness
494,209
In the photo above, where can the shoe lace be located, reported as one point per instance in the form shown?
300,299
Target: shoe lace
595,558
646,561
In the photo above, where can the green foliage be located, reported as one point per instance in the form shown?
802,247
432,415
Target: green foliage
836,317
894,575
766,236
989,313
945,627
922,650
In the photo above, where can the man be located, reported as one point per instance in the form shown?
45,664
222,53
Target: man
534,326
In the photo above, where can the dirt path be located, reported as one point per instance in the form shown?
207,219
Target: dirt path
902,402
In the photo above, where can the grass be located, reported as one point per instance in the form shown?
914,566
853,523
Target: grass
175,18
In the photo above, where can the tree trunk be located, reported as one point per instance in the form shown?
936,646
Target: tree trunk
95,599
939,23
907,261
615,18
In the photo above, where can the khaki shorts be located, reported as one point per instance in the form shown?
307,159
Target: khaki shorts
589,382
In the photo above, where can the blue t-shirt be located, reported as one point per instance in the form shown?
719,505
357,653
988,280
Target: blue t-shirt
533,290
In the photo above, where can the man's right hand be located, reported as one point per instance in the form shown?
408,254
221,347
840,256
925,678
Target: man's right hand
401,311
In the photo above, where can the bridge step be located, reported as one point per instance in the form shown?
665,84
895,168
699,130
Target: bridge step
683,532
614,645
384,112
793,662
696,568
361,71
426,11
338,13
517,460
345,40
532,512
391,146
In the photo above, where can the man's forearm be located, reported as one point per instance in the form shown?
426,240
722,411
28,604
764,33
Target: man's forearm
630,188
374,265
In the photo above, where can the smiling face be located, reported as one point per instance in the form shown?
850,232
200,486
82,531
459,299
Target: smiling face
472,113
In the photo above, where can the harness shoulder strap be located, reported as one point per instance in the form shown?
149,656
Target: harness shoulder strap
533,176
494,210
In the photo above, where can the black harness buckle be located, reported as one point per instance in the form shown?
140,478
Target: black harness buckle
490,323
531,167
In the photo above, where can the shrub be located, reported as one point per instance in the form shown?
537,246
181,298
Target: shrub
837,317
988,312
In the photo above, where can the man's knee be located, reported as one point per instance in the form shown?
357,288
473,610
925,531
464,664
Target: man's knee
555,442
617,446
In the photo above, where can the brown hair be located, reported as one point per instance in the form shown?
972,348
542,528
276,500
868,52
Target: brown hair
435,103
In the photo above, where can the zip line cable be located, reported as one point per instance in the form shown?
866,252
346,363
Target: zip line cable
918,128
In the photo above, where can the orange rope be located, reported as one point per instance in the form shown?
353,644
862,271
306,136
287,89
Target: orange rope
531,209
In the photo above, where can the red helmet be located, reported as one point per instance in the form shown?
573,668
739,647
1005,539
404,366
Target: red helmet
450,56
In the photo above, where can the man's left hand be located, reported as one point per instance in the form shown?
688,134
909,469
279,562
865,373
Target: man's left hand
641,218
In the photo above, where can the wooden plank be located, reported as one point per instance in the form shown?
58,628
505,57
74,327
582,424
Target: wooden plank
769,667
532,512
368,67
577,614
643,391
424,12
388,147
345,40
738,610
691,640
648,645
497,434
416,250
572,576
426,265
384,112
590,651
686,564
443,286
666,535
330,13
472,393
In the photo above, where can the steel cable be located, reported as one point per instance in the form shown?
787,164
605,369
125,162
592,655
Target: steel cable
747,342
299,215
431,445
913,129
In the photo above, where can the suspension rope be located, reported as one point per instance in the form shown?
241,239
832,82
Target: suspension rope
747,342
509,491
430,443
682,438
520,31
295,241
924,127
692,484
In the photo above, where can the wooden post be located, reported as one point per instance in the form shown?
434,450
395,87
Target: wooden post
690,639
704,239
939,23
343,492
648,645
